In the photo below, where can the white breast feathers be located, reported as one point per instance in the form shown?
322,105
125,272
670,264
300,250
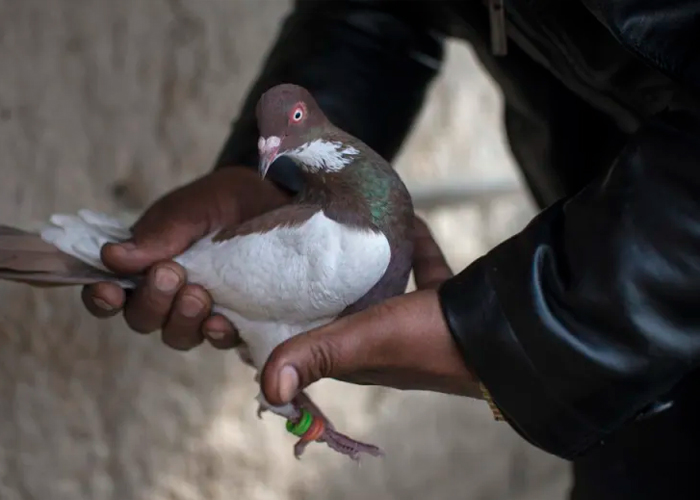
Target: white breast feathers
290,274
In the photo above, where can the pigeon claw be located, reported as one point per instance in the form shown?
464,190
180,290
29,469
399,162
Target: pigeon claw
348,446
299,448
325,433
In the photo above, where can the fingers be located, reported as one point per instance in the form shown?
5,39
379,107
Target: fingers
163,301
182,329
181,312
103,300
430,267
220,332
150,304
149,246
190,322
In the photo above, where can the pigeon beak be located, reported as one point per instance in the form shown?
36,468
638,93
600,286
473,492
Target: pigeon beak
268,150
265,162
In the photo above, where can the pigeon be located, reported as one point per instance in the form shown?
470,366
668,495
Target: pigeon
341,245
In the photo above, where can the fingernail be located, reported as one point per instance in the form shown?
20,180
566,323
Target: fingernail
167,280
215,334
102,304
289,383
123,248
191,307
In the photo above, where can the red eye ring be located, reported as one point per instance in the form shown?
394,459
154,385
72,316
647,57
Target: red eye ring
297,114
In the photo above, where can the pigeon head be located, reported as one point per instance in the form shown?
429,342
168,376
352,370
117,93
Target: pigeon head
292,124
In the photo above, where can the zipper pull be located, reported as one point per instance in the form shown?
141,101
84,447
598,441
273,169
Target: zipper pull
497,15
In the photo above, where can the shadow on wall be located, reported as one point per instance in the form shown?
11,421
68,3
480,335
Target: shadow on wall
108,105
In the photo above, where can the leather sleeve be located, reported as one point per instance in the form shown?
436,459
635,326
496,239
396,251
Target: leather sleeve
664,34
367,63
589,315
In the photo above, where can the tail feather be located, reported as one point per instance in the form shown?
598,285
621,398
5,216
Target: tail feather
45,280
65,253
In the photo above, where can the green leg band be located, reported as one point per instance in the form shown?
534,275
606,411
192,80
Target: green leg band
303,425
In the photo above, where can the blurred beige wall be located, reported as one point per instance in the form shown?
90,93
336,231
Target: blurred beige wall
108,104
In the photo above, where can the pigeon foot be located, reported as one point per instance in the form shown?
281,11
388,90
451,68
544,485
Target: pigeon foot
306,421
342,444
313,426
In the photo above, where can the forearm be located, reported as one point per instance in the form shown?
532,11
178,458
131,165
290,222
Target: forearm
584,319
367,63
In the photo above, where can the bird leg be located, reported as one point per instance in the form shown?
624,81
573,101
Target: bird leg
334,439
321,429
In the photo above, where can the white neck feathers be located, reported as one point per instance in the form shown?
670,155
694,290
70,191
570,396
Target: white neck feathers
321,155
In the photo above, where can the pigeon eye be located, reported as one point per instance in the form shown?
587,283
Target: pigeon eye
298,115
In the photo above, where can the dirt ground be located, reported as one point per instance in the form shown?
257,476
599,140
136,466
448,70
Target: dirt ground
107,105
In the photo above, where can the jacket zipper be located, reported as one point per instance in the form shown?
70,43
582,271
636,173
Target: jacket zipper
497,16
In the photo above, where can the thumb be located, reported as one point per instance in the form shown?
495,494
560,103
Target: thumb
339,349
154,239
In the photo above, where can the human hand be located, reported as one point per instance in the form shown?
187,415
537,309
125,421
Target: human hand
168,227
402,343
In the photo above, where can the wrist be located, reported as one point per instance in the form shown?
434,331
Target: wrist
285,174
446,366
251,194
467,304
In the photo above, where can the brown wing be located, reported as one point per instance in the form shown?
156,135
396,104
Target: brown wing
289,215
26,258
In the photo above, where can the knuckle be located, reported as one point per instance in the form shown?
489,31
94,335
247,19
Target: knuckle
382,311
323,359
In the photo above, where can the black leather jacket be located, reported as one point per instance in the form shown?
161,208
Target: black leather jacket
589,317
